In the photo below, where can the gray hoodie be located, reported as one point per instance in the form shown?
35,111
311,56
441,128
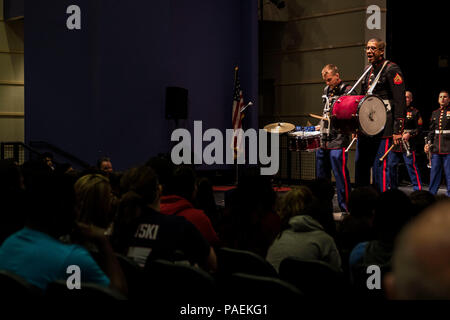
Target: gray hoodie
305,239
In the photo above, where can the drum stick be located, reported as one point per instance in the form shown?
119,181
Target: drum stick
351,143
389,150
316,116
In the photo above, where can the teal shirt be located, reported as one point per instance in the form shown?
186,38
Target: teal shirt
41,259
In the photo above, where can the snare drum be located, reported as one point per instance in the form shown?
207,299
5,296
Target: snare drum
304,141
364,113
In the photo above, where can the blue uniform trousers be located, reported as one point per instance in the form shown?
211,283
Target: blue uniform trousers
369,150
394,159
335,160
439,162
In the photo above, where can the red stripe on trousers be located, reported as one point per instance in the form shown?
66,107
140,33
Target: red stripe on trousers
415,170
345,177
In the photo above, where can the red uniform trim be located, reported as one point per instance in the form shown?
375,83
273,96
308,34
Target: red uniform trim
345,177
415,170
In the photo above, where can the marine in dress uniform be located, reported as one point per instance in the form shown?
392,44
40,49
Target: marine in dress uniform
332,156
391,89
413,127
439,137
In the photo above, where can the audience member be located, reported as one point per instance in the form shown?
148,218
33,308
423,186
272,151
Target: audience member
12,198
179,203
356,227
250,221
301,234
142,232
323,191
204,200
95,201
35,254
392,211
104,164
421,199
421,257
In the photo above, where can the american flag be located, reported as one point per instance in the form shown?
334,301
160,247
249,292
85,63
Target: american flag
238,104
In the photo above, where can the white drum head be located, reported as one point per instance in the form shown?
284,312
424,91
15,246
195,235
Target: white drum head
372,115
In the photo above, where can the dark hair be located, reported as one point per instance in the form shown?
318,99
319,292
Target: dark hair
101,160
421,199
184,178
163,167
392,211
362,201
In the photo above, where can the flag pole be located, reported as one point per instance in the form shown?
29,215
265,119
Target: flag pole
236,180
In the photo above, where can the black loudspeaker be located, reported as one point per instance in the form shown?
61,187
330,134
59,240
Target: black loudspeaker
176,103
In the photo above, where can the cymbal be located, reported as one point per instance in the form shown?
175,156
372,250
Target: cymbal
279,127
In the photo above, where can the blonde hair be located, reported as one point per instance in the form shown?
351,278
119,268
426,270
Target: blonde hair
329,68
94,199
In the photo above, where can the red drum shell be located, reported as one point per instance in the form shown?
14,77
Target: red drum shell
346,107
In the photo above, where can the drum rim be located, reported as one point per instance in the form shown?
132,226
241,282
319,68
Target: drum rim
359,106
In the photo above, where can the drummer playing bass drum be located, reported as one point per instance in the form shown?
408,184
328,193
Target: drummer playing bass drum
332,155
391,88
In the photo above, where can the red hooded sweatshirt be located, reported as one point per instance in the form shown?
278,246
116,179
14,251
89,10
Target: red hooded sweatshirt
175,205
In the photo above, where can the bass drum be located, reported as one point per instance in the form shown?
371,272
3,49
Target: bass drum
364,113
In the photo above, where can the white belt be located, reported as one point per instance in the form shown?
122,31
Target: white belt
409,130
442,131
387,104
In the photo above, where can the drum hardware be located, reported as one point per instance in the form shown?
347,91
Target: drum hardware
359,80
375,82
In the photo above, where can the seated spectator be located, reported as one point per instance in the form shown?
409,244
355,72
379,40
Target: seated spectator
12,199
301,234
392,211
179,203
204,200
421,199
35,254
104,164
142,232
250,220
95,201
356,227
420,268
323,191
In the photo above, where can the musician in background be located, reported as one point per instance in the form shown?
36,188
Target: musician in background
391,88
413,126
438,142
332,156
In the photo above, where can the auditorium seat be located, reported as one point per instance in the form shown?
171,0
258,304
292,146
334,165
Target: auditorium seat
281,298
177,282
13,286
231,261
58,289
314,278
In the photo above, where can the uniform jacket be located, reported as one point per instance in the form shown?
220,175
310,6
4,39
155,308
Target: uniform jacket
390,87
440,121
336,140
413,125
